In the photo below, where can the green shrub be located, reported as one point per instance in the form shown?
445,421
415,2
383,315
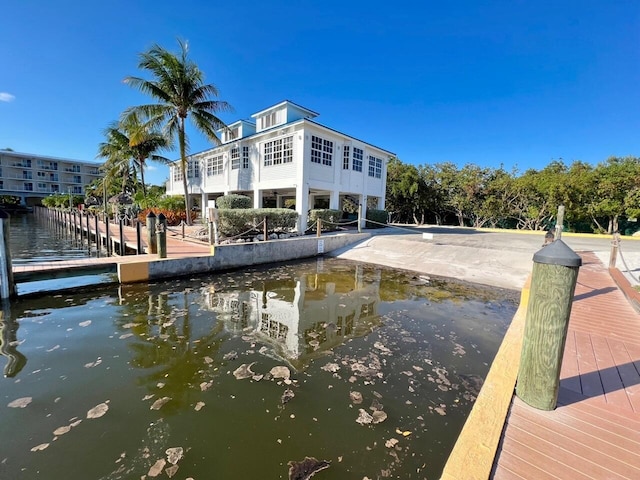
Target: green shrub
234,201
171,202
329,218
379,216
235,221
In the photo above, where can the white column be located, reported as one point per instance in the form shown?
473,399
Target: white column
334,199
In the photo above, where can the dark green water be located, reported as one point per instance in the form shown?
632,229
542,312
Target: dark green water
416,350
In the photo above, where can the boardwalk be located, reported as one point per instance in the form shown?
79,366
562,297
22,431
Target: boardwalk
177,247
595,431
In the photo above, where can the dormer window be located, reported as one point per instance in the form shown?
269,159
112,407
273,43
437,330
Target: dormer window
232,134
268,120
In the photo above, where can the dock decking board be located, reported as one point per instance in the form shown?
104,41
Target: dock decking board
595,430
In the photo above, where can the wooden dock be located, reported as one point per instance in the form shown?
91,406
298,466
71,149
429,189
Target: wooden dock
594,433
177,247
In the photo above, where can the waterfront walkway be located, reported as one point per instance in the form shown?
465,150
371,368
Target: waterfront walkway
177,247
594,433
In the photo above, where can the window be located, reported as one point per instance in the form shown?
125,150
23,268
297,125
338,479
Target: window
321,150
27,175
177,173
233,134
345,158
278,151
77,179
269,120
357,159
1,184
375,167
28,186
42,174
235,158
193,169
42,187
245,157
55,188
214,166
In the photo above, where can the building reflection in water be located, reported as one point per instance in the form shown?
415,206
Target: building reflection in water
303,316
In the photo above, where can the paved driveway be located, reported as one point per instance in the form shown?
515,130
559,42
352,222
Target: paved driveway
497,258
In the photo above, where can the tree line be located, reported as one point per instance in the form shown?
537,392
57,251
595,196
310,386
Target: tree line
602,198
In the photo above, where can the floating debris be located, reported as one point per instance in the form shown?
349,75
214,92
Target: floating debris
40,447
93,364
86,323
20,402
356,397
158,404
171,471
199,406
230,356
174,454
364,418
392,442
98,411
280,372
379,416
331,367
307,468
204,386
125,336
62,430
287,396
244,371
382,348
156,468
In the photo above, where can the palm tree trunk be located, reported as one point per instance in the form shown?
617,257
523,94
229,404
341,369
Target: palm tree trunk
144,187
183,166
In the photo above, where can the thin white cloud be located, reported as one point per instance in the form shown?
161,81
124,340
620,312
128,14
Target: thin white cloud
6,97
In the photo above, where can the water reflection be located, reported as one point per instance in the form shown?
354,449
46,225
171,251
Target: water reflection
303,316
9,343
374,352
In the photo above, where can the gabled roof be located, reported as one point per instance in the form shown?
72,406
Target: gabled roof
311,113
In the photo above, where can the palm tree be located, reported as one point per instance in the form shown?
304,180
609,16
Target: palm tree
144,143
119,157
129,144
179,88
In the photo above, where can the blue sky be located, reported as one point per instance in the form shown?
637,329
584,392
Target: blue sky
512,82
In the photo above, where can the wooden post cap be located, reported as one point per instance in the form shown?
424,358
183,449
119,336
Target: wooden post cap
557,253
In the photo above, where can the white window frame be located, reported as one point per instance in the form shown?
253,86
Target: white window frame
235,158
375,167
245,157
321,150
278,151
215,165
358,155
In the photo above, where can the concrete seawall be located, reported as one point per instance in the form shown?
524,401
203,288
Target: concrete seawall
226,257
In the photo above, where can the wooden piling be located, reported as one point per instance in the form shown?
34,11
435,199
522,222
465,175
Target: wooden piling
152,240
7,285
553,282
161,233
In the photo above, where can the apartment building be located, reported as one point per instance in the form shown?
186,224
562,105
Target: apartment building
283,158
33,177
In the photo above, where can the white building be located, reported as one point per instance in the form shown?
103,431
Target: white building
33,177
284,159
